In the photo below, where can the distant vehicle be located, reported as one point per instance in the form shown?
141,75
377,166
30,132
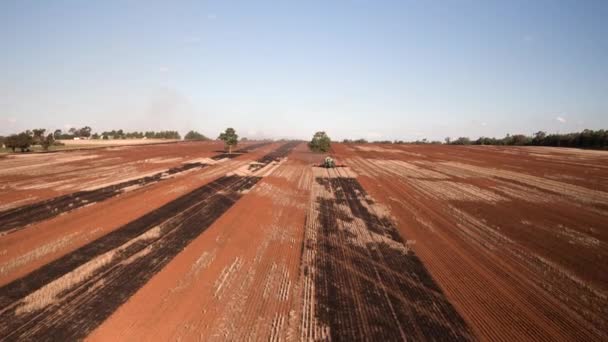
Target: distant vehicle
329,163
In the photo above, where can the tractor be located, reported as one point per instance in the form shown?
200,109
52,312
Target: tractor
329,163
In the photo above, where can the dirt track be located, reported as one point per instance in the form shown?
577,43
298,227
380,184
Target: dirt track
417,242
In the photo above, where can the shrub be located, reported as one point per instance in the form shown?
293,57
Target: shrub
230,138
194,135
320,142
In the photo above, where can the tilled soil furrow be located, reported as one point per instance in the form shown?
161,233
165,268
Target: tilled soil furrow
50,272
240,151
88,309
497,270
433,315
401,298
20,217
120,262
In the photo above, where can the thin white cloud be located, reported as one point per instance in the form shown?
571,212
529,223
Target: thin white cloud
211,16
560,119
11,120
163,69
528,38
484,124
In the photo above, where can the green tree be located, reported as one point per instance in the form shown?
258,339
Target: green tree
462,141
194,135
84,132
38,137
22,141
320,142
539,138
48,141
11,142
230,138
520,139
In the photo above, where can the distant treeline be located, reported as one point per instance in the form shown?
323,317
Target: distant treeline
588,138
396,142
24,140
85,133
120,134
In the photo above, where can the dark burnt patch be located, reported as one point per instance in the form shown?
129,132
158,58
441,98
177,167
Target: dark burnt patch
255,167
239,152
14,219
374,291
227,155
324,182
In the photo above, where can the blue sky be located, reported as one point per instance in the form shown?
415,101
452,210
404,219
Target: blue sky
371,69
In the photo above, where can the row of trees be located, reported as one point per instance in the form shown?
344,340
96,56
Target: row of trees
597,139
84,132
588,138
120,134
355,141
319,143
24,140
398,142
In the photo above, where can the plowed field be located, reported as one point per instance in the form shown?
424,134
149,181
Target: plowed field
185,242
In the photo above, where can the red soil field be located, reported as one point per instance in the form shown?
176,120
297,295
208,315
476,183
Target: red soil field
516,237
27,178
180,241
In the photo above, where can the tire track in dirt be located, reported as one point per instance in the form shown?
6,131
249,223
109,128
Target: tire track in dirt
68,298
18,218
361,280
